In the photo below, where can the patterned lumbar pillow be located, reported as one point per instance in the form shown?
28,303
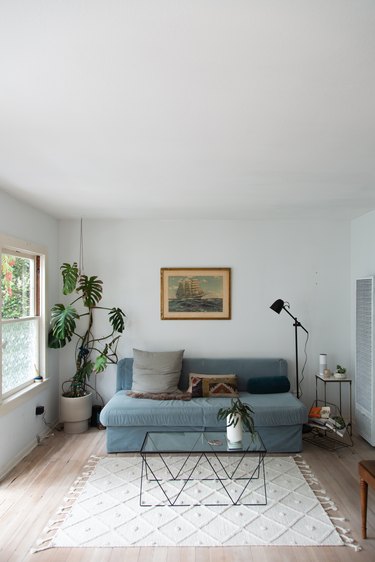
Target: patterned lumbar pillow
212,385
156,371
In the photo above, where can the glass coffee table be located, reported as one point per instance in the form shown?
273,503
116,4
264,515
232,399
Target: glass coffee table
197,468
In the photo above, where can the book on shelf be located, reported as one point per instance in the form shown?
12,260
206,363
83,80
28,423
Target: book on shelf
319,412
317,422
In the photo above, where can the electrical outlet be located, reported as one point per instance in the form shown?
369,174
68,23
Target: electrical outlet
39,410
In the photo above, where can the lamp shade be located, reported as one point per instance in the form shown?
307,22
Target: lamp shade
277,306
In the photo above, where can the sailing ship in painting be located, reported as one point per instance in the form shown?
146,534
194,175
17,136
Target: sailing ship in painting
189,288
191,297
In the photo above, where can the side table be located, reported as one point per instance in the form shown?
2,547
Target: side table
326,436
330,380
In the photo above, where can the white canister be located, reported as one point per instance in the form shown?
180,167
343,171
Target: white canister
234,432
322,363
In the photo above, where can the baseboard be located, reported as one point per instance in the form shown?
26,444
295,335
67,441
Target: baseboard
23,453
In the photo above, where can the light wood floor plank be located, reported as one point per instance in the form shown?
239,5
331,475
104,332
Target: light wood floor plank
159,554
118,555
33,491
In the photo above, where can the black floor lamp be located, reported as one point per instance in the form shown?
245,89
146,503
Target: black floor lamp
278,306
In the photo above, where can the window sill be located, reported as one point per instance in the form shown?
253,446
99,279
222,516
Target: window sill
19,398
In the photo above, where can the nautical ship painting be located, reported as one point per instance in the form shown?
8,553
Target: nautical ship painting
195,293
189,288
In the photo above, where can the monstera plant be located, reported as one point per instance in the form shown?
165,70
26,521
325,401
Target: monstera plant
74,321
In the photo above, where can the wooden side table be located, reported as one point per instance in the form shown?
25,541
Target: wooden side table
366,471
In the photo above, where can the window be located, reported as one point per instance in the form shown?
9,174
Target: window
22,343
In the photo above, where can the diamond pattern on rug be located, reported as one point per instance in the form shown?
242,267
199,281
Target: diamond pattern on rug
108,512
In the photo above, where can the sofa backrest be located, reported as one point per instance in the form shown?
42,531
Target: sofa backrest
244,368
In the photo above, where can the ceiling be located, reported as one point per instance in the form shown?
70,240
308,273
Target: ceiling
212,109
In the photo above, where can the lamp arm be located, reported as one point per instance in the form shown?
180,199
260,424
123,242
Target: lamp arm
295,320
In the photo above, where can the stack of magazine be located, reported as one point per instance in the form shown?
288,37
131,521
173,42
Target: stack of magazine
321,417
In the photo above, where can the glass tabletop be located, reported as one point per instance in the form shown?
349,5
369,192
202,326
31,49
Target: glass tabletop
199,442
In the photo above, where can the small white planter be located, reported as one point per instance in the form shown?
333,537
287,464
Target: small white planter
234,434
75,413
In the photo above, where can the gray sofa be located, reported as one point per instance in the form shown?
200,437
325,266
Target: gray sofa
278,417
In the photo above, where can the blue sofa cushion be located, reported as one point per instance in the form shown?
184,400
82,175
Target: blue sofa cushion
268,385
269,410
123,410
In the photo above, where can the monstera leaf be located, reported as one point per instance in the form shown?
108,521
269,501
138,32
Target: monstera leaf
63,322
92,290
54,342
101,363
116,318
70,275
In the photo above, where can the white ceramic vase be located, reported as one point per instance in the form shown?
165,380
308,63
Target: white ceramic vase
75,413
234,434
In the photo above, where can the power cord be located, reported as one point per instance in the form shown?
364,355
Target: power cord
304,365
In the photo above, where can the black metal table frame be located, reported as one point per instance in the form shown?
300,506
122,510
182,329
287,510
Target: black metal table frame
256,473
333,380
324,437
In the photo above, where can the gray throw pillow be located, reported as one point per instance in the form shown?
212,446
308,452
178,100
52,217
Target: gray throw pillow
156,371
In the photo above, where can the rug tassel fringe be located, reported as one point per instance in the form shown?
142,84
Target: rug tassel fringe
350,542
342,530
40,549
326,502
74,492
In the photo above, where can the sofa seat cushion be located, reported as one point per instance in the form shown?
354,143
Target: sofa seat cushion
269,409
280,409
123,410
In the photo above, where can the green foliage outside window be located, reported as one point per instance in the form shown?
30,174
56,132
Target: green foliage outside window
15,286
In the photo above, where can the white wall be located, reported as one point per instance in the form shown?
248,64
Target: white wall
362,247
305,263
19,427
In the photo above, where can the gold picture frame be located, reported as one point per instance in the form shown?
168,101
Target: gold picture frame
195,293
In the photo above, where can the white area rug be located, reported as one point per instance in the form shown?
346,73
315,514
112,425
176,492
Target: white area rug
103,510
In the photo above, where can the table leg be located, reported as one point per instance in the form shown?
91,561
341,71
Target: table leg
363,493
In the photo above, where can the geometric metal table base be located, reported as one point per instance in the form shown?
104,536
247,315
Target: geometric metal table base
207,453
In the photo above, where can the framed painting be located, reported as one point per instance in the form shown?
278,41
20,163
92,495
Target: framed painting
195,293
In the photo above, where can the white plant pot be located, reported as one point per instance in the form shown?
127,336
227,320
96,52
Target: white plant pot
75,413
234,434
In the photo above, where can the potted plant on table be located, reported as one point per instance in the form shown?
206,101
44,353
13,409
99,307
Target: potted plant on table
238,416
340,372
92,353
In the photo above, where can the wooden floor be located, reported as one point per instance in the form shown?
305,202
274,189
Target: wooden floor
32,492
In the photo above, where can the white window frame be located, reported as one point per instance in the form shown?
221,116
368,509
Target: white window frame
26,249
